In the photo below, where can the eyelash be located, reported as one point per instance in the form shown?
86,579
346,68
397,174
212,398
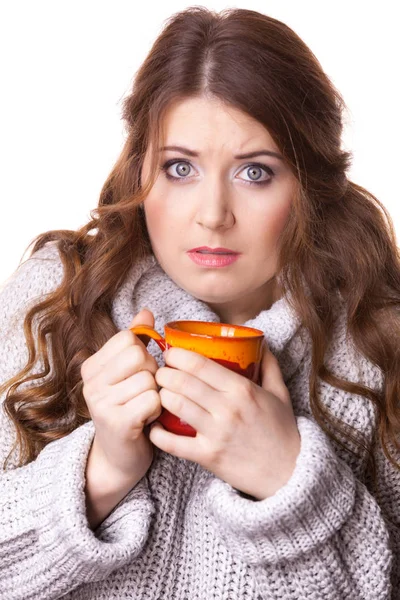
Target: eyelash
174,161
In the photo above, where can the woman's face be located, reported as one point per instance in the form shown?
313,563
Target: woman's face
216,199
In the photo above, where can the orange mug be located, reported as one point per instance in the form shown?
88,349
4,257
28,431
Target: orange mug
236,347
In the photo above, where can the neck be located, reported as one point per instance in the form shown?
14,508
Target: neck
249,306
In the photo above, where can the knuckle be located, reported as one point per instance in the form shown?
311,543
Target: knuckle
228,419
173,401
87,390
85,369
247,389
247,385
178,380
125,337
135,338
148,397
135,357
235,414
221,415
149,381
163,393
154,396
153,366
183,380
177,403
136,352
92,391
197,363
155,401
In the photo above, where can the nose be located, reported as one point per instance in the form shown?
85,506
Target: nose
215,211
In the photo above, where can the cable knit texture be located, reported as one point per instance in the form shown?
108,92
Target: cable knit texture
182,533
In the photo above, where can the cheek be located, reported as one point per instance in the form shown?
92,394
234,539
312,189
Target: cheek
155,220
272,223
164,223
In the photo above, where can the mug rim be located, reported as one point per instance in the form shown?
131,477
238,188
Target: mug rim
171,324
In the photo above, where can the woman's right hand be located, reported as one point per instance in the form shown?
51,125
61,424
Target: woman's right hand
122,397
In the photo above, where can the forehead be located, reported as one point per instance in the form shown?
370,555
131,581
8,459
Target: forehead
208,118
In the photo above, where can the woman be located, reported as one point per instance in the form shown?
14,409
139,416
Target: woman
290,488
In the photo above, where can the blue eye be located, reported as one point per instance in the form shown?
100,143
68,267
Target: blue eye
187,166
260,167
169,164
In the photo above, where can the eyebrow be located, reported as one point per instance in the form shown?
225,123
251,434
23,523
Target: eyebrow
247,155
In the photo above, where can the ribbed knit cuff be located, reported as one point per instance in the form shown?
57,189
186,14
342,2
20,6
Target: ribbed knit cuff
113,528
65,537
310,508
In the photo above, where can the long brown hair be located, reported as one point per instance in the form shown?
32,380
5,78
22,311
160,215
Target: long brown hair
338,236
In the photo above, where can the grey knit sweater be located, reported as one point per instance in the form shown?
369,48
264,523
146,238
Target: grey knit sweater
182,533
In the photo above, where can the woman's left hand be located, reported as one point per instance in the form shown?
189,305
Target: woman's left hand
246,433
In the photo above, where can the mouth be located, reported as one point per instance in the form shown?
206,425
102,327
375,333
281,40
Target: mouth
213,251
213,259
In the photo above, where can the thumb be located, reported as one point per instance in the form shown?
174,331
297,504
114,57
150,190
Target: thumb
143,317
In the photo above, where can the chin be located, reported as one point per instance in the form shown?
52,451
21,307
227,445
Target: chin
212,298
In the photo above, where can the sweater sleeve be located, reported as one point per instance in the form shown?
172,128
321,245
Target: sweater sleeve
46,545
326,534
322,532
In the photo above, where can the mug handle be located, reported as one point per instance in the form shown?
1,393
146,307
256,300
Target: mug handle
149,332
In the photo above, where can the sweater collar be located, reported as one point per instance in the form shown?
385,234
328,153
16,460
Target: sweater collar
147,285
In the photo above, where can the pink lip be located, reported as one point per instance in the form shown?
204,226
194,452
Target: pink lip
213,260
224,250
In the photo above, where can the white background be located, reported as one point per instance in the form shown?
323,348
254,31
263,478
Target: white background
66,65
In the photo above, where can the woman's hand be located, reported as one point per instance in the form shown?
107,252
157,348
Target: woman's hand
246,433
122,397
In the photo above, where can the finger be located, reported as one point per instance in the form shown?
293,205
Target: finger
116,344
178,445
143,410
185,384
144,317
187,410
132,387
205,369
271,376
129,361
